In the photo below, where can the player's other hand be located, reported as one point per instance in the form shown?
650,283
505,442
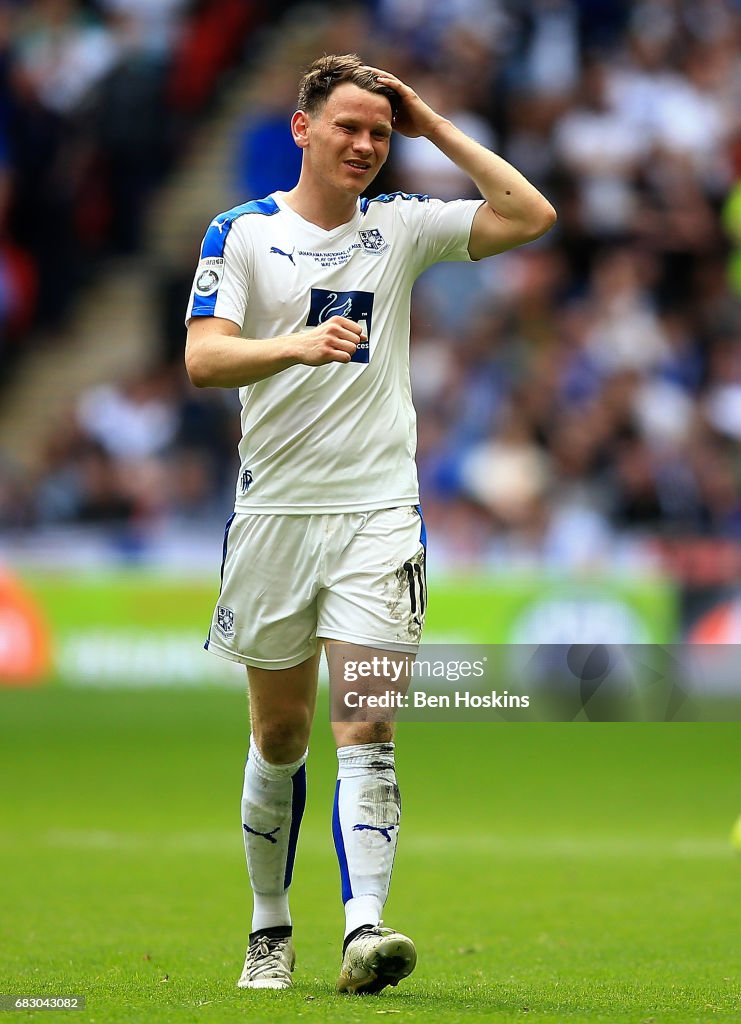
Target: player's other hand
414,117
334,341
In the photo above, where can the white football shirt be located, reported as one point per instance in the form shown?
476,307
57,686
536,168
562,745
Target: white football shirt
340,437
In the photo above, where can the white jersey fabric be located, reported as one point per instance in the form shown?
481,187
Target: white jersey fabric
340,437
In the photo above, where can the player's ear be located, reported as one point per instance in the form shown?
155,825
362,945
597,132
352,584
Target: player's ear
300,129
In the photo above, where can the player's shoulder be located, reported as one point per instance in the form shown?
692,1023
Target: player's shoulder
222,224
403,212
266,207
395,200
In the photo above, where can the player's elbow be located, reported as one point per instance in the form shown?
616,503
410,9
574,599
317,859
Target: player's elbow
549,216
197,367
542,220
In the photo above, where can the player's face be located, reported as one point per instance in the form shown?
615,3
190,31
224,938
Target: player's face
349,138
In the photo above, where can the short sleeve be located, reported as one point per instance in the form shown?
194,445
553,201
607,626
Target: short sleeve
221,282
445,230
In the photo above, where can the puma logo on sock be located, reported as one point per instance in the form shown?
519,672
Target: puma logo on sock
270,836
384,830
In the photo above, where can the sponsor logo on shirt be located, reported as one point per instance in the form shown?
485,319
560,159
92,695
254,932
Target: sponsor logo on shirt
288,255
357,306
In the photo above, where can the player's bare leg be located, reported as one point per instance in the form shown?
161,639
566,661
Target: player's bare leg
282,706
366,816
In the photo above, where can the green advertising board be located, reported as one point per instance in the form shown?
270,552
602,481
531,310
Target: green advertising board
137,629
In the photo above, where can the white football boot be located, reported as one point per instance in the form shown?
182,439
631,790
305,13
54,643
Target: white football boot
268,963
375,958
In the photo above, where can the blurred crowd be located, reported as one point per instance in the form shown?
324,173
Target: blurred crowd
579,398
96,100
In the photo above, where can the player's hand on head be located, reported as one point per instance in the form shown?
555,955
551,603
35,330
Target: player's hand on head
414,117
334,341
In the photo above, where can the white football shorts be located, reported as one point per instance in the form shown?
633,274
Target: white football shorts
288,579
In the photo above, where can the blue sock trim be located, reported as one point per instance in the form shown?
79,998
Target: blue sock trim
339,845
298,803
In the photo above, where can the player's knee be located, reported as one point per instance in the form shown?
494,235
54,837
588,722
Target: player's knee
285,740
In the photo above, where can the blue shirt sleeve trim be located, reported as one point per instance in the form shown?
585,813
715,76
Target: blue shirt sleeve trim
390,197
214,243
215,238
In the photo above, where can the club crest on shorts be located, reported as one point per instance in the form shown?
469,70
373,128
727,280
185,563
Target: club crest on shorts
373,241
225,621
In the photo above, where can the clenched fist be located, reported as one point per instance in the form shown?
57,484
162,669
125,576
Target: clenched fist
334,341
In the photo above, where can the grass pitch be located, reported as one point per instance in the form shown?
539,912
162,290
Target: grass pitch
549,873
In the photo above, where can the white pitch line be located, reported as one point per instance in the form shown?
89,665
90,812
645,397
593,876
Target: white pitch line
531,847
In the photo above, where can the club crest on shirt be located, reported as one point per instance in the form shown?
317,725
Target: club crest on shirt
373,241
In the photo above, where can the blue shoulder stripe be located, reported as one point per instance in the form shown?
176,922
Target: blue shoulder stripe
214,242
389,198
215,237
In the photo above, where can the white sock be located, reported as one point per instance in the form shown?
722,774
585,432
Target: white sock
273,801
365,825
